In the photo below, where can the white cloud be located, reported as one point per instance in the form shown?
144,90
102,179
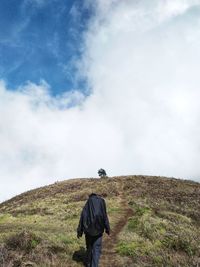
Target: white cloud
141,60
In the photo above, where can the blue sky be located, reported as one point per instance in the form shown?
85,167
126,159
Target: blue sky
42,40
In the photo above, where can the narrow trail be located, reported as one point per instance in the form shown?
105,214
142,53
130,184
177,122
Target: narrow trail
109,254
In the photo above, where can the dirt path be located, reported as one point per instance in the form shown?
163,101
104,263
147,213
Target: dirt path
109,255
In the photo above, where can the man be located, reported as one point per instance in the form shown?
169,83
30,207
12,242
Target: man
93,222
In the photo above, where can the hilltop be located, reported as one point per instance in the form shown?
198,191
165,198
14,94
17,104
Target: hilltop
155,221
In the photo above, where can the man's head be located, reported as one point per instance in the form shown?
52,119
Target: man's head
92,194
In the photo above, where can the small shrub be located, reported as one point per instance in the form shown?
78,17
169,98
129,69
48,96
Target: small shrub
65,240
126,249
135,248
140,211
34,243
158,260
133,224
25,241
179,243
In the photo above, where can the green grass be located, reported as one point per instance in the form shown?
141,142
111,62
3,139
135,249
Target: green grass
54,218
163,231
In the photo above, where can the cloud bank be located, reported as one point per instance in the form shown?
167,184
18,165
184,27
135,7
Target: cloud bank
141,60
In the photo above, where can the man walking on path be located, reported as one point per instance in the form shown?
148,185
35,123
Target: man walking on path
93,222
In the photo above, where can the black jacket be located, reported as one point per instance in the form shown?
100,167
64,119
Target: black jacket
94,219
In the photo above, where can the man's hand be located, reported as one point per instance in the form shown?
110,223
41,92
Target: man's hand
107,232
79,234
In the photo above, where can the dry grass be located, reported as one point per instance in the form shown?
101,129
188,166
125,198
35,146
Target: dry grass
38,228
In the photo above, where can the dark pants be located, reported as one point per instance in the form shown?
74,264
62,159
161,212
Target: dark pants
93,245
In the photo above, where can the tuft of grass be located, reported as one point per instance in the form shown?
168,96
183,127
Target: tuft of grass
133,224
24,241
182,240
140,211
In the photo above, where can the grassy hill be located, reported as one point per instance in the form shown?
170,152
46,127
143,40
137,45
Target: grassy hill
155,221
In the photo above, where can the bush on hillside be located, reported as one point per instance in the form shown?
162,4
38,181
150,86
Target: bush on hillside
24,241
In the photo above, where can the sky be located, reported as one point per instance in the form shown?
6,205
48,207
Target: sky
98,84
39,40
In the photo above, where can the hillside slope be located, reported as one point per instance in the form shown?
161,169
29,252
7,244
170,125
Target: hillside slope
155,221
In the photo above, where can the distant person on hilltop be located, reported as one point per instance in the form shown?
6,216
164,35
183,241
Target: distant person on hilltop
102,173
93,222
